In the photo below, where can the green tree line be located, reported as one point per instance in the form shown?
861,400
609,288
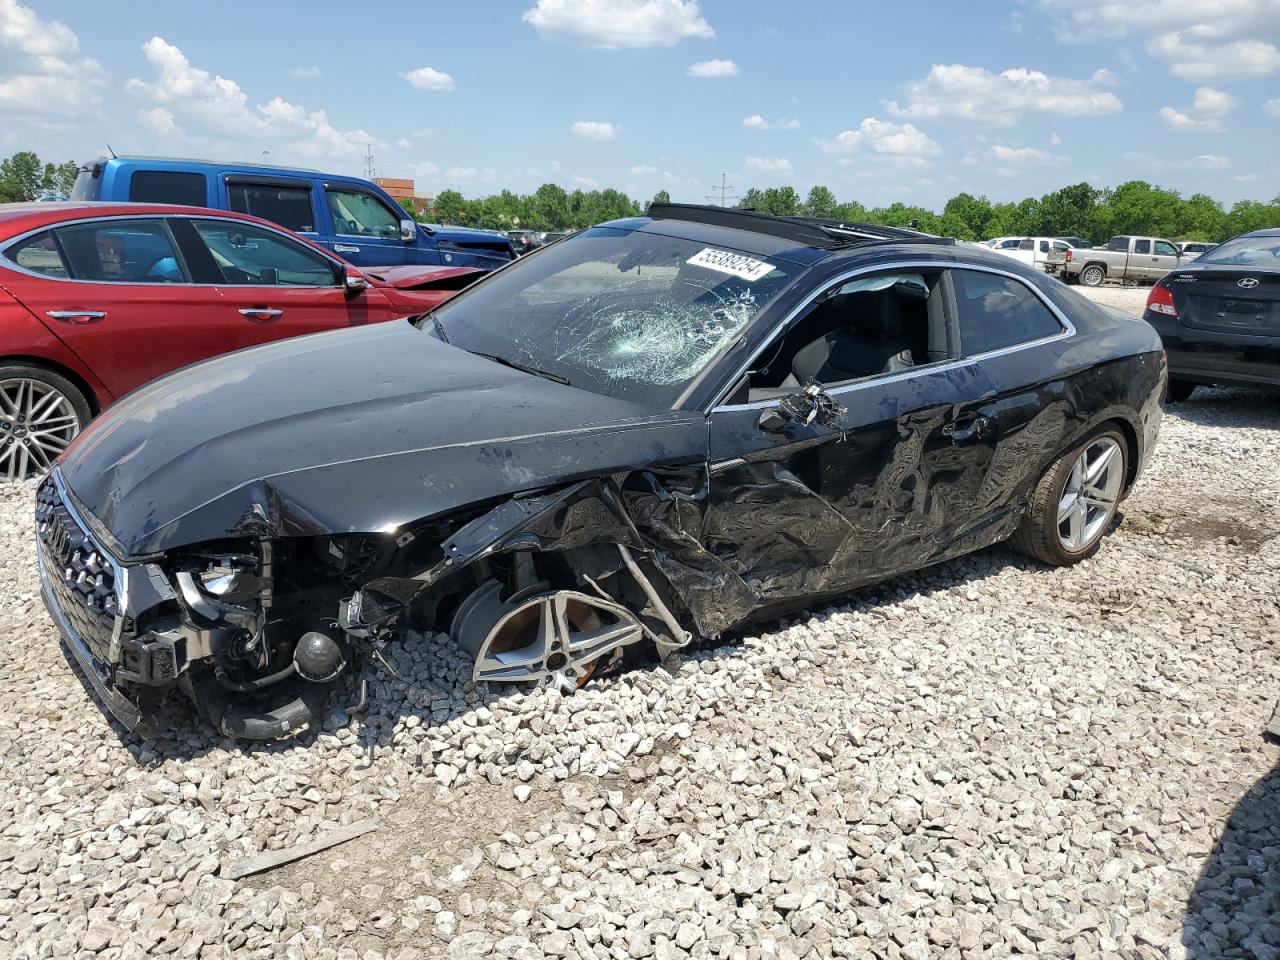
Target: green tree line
24,176
1079,210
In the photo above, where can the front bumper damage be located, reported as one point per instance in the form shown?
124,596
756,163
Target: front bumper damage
99,604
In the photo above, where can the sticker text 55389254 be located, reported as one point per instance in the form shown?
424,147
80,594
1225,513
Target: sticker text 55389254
737,264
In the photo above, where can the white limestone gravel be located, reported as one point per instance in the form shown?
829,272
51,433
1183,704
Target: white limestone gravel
985,759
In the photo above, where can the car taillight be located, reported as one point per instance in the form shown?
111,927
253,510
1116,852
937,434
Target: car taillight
1068,255
1160,300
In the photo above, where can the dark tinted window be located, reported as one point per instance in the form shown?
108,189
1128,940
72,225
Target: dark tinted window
121,251
288,206
250,255
1142,246
1118,243
998,312
163,186
39,254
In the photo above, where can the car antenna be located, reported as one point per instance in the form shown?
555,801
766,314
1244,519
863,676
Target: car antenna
112,152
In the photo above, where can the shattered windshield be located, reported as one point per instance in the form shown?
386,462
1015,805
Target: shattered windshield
628,314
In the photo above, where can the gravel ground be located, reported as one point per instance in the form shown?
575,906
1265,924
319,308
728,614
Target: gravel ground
982,760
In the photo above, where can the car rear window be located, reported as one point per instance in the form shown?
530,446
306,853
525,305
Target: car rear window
121,251
166,186
39,254
288,206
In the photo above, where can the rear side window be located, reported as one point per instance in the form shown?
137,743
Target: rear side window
288,206
164,186
1026,244
1142,246
249,255
997,312
39,254
121,251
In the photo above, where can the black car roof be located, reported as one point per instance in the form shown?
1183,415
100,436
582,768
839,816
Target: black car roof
815,232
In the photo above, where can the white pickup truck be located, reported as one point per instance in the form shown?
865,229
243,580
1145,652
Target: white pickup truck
1123,258
1040,253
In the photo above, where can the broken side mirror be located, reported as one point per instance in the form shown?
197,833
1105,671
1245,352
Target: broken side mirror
773,419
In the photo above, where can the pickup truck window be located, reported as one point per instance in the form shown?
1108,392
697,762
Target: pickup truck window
1166,249
288,206
1142,246
1119,244
359,214
249,255
164,186
997,312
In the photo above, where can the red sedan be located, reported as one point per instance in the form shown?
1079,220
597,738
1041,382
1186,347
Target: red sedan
97,299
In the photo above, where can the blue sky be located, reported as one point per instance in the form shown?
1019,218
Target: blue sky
879,101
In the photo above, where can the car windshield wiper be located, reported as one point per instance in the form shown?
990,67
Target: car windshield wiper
438,326
524,368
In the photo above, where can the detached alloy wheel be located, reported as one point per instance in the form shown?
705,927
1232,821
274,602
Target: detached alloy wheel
40,413
1092,276
1075,501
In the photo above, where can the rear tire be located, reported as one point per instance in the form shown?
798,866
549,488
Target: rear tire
40,413
1176,391
1074,503
1093,275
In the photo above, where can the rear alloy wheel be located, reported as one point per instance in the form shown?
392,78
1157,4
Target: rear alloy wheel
40,413
1177,391
1093,275
1075,501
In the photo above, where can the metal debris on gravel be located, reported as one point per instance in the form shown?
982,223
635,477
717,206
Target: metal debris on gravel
985,759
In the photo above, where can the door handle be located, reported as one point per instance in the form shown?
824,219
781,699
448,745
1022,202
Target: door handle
76,316
973,429
260,313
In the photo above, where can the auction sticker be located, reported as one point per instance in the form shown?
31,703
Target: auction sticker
735,263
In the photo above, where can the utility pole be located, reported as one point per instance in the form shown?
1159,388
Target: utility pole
369,171
724,191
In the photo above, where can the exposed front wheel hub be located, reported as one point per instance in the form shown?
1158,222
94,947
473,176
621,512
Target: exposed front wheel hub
555,639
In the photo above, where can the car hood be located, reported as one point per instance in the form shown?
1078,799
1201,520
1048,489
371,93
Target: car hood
418,277
358,430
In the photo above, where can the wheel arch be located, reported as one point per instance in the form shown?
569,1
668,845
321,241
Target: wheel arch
96,401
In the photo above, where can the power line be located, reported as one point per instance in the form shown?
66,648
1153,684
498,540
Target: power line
724,191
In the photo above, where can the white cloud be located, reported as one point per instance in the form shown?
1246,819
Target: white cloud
1213,103
1006,154
404,143
594,130
1055,140
305,73
975,93
1211,161
881,136
644,170
160,120
425,169
1208,107
21,29
461,173
618,23
219,105
1198,39
429,78
1272,107
769,164
47,82
757,122
713,68
583,183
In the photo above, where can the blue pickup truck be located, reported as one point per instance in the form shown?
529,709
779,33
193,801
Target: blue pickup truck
354,218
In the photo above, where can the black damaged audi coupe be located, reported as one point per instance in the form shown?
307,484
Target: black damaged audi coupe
657,430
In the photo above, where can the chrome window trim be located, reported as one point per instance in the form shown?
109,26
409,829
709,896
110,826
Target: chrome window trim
213,214
1068,330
